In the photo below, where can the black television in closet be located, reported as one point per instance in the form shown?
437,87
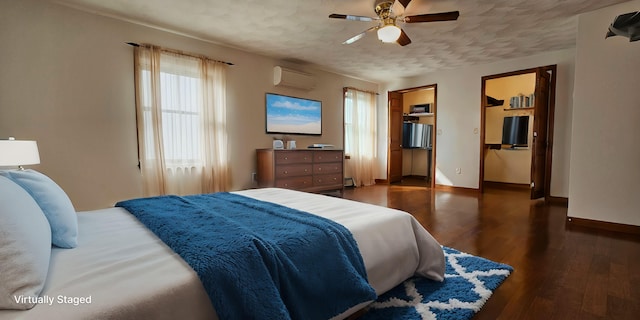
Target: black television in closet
515,131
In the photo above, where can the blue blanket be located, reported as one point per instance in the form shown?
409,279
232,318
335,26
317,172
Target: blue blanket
260,260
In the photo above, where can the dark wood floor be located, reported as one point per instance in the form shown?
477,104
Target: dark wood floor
561,271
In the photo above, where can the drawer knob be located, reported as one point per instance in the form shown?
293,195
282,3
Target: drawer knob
285,172
305,170
319,169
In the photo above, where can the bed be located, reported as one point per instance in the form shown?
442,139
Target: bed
121,270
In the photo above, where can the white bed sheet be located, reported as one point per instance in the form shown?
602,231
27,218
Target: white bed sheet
130,274
393,244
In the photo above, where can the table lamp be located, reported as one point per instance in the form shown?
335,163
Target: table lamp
18,153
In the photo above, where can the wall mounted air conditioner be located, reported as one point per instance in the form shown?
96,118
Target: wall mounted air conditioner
292,78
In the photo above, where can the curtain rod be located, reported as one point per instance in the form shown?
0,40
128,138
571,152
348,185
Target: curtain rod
133,44
367,91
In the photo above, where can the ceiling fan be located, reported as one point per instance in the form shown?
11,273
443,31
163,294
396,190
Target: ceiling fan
387,28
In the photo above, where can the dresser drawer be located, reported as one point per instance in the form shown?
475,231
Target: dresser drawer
295,183
287,157
327,168
310,170
327,156
293,170
327,179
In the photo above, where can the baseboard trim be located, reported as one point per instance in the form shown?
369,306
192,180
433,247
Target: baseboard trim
560,201
457,189
604,225
414,176
506,185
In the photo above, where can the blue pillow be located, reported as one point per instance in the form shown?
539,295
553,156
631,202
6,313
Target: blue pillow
53,201
25,247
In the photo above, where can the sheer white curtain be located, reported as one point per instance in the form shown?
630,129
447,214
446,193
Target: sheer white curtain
181,114
360,134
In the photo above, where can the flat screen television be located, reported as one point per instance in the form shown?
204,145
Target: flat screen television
291,115
515,131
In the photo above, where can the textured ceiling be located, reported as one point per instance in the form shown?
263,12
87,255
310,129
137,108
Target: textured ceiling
300,30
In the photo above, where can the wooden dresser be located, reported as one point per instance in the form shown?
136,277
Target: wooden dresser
311,170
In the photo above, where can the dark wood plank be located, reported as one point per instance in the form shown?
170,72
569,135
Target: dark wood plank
561,271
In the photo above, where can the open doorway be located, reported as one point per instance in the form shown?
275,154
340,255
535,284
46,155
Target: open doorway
412,125
517,130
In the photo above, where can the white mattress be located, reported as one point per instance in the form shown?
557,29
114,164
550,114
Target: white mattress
130,274
393,244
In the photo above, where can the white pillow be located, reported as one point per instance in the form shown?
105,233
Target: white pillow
25,247
53,201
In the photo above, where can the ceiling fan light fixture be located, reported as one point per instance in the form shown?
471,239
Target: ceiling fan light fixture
389,33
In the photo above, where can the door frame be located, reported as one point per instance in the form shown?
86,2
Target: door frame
553,71
432,169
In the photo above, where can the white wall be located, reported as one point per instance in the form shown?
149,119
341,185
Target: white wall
459,95
66,81
605,155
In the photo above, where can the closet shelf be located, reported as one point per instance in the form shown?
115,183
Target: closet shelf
421,114
516,109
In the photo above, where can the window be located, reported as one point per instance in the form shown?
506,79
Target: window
181,114
180,104
348,122
360,134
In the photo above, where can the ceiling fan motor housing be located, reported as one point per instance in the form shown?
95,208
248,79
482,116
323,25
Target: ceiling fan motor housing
383,8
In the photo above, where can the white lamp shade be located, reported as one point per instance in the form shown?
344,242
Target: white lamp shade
389,33
18,153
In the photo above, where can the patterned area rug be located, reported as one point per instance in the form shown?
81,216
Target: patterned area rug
469,282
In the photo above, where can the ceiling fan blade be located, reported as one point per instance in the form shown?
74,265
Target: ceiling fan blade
358,36
350,17
404,3
403,40
433,17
